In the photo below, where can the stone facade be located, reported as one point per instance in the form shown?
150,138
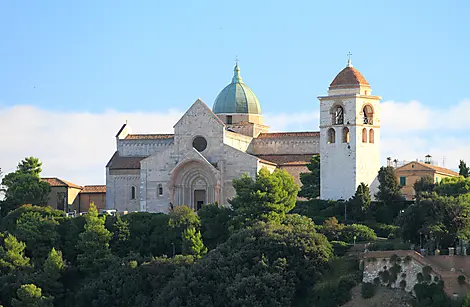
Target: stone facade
154,172
349,136
198,162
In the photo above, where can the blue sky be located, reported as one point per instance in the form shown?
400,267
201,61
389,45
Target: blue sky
90,57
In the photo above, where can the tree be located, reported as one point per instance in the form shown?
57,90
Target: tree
181,219
311,181
192,243
30,165
424,185
49,279
93,244
360,202
453,186
30,295
389,188
214,224
24,186
463,169
267,198
12,256
121,236
268,264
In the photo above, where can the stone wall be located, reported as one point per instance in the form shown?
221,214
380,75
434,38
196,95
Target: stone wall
285,145
142,148
407,263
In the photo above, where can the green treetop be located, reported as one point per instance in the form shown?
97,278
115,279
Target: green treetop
93,244
192,243
267,198
12,256
463,169
311,181
30,295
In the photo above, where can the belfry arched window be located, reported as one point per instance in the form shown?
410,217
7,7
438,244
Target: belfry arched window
371,136
133,192
345,135
331,136
368,115
338,115
364,135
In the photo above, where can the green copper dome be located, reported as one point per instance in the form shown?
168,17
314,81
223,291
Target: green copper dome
236,97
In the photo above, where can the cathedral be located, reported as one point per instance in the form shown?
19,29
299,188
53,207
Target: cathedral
210,147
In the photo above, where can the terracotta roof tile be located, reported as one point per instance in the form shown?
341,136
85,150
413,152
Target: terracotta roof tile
348,77
442,170
288,134
149,136
94,189
302,159
118,162
57,182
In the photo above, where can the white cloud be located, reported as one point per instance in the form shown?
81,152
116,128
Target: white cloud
77,146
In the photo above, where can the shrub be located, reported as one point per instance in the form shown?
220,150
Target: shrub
427,270
420,277
368,290
377,282
403,275
461,279
407,259
389,246
340,248
436,279
393,258
362,233
386,277
403,284
384,230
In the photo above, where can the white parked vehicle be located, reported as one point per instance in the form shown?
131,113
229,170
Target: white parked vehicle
112,212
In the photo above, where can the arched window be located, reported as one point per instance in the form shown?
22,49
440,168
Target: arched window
345,135
133,192
364,135
160,189
371,136
331,136
338,115
368,114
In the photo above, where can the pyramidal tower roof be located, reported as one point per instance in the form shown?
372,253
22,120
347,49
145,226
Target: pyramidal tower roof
349,77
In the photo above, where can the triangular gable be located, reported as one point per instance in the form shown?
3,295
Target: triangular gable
200,104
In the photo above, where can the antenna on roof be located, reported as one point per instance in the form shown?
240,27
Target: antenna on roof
349,59
444,161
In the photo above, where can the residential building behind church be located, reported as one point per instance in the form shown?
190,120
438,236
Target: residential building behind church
210,147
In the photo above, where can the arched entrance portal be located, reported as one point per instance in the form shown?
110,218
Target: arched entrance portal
194,184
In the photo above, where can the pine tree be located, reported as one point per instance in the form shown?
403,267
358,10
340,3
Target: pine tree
360,202
192,243
121,237
12,256
311,181
389,188
463,169
30,295
53,268
93,244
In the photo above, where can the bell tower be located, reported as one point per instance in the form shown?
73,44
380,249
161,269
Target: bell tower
349,136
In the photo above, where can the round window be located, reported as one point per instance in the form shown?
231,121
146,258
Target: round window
200,143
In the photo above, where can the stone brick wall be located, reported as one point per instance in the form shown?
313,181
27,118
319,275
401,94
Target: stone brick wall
142,148
285,145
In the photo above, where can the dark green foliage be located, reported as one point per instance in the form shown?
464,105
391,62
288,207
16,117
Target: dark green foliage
427,270
440,219
214,224
268,198
420,277
340,248
461,280
424,185
368,290
181,219
24,186
384,230
403,284
464,170
93,244
466,301
50,277
361,232
360,203
277,263
407,259
129,283
390,200
121,237
311,180
431,295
